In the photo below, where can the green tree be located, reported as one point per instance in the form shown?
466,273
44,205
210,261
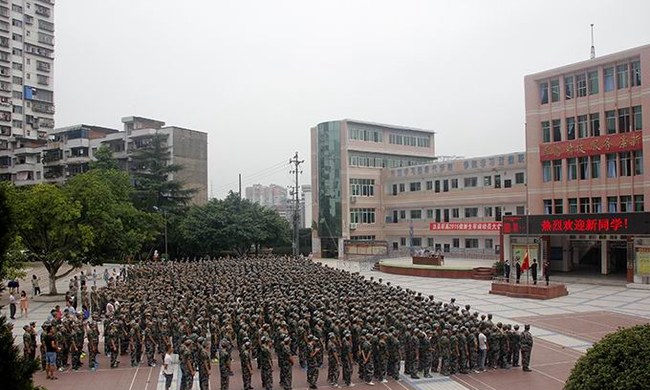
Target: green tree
50,226
119,230
6,227
619,361
154,185
104,159
232,224
16,370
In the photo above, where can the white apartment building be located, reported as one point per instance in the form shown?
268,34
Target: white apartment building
26,87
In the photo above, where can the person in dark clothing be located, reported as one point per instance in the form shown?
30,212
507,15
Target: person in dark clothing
533,271
506,271
518,270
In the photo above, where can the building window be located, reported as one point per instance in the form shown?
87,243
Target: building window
546,171
455,242
638,162
429,213
519,178
402,241
489,243
454,183
584,205
402,187
596,205
455,213
568,87
436,186
611,165
608,77
471,212
557,204
507,183
555,90
487,181
445,185
415,186
625,164
622,76
624,120
548,207
612,203
572,169
573,205
610,118
595,167
557,170
520,210
583,167
637,118
416,214
594,125
582,126
429,185
430,242
626,204
546,131
437,215
636,73
402,214
394,189
363,134
471,243
557,130
638,203
543,92
593,82
581,81
570,128
470,182
487,211
362,187
363,215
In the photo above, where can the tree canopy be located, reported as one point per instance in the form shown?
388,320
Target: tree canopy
619,361
234,225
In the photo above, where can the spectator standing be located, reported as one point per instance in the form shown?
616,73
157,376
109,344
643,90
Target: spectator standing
506,270
168,371
482,350
24,304
94,277
547,271
35,285
51,349
12,306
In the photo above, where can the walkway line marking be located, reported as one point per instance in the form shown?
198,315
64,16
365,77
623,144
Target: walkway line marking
464,381
148,378
549,376
134,375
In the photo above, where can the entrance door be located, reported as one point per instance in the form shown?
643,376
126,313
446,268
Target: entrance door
617,256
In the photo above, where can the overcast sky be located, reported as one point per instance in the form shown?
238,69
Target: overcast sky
257,75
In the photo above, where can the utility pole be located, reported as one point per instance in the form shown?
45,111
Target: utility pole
296,209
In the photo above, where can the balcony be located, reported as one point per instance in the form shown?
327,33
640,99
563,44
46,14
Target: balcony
43,107
42,11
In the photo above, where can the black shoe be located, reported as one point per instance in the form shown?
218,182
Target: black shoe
415,377
527,370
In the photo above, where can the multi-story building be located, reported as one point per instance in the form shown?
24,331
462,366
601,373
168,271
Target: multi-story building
26,87
347,158
268,196
71,149
453,206
588,185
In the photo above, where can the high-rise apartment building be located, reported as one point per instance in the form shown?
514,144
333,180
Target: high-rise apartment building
26,87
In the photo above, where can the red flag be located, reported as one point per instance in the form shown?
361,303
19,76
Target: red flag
526,263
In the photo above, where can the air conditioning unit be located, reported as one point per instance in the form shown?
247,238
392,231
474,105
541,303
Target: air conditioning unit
353,226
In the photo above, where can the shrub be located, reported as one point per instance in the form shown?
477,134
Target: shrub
621,360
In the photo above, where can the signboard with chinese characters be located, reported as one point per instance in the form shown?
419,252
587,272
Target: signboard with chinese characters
480,226
619,223
612,143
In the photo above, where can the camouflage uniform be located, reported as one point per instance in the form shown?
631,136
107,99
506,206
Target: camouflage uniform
245,358
445,354
204,368
463,353
435,350
332,361
393,361
113,342
454,353
368,367
346,360
264,359
285,367
526,348
515,346
93,345
224,367
150,345
312,363
185,355
425,355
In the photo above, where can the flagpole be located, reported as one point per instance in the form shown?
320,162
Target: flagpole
527,203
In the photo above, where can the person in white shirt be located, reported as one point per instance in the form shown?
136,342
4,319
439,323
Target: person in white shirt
110,308
168,371
482,350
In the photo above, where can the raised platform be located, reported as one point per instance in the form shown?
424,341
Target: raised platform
534,291
435,271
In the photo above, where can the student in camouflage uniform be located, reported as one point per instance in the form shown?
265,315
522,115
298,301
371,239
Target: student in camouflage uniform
346,358
77,337
246,364
286,362
135,344
424,362
445,353
393,355
463,352
62,341
204,365
366,358
333,360
149,344
435,347
93,345
472,347
113,344
313,349
187,365
504,361
224,364
382,358
27,342
515,346
265,362
526,348
454,351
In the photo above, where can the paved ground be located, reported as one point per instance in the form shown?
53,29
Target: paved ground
563,328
